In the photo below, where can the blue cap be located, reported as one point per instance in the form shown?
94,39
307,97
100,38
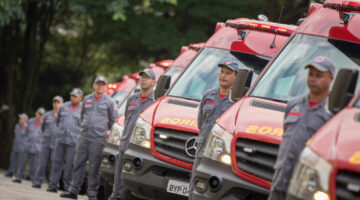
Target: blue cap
101,79
58,98
77,92
23,116
148,72
230,64
41,110
322,64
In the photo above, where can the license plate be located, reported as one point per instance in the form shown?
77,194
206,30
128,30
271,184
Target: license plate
178,187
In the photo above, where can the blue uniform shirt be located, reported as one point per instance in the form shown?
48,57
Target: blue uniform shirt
68,123
97,116
33,137
49,130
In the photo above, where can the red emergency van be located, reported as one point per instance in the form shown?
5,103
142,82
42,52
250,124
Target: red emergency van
243,145
157,149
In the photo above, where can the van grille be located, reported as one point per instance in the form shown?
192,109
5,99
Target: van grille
266,105
348,185
182,103
256,157
174,145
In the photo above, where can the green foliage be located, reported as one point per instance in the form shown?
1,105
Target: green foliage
10,10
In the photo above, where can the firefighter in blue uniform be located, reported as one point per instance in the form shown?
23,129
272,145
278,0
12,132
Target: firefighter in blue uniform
214,103
97,115
49,129
304,115
135,105
19,132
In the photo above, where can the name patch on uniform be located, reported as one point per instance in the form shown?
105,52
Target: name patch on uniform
65,111
49,119
133,104
88,102
294,114
210,102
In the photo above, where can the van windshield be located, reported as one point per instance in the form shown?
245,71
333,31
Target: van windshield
202,74
286,77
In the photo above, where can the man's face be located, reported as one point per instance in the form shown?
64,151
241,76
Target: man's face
56,104
318,82
99,87
38,116
226,77
22,121
75,100
146,82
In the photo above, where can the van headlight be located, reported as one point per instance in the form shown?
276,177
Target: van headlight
311,177
141,133
218,145
116,132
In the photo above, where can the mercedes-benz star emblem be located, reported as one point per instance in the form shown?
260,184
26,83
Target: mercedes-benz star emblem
190,147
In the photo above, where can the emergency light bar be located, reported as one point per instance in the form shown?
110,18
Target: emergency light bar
353,5
112,85
164,63
134,76
261,25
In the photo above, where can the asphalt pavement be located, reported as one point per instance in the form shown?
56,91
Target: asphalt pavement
24,191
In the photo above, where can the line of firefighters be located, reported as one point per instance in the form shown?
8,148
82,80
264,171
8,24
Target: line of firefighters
74,132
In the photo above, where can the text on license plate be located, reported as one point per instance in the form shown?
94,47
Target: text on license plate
178,187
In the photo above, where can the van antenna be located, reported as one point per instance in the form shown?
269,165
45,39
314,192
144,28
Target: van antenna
273,43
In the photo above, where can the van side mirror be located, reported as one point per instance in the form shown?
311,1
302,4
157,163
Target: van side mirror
162,85
343,89
241,84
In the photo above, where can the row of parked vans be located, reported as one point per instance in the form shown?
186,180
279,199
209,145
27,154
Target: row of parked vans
242,147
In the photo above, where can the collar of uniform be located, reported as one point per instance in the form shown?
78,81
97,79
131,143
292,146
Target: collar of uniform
217,93
319,105
151,96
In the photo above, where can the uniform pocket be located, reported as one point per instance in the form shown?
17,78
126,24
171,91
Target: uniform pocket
290,121
207,110
130,111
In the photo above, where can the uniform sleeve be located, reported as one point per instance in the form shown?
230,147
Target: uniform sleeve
43,123
200,111
59,116
113,113
82,110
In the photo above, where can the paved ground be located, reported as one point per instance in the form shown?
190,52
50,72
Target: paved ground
24,191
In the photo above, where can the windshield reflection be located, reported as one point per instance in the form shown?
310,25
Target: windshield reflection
287,77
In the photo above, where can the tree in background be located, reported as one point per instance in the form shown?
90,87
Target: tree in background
47,47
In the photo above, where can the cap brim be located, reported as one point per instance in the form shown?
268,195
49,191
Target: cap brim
317,67
74,94
143,72
225,65
101,81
